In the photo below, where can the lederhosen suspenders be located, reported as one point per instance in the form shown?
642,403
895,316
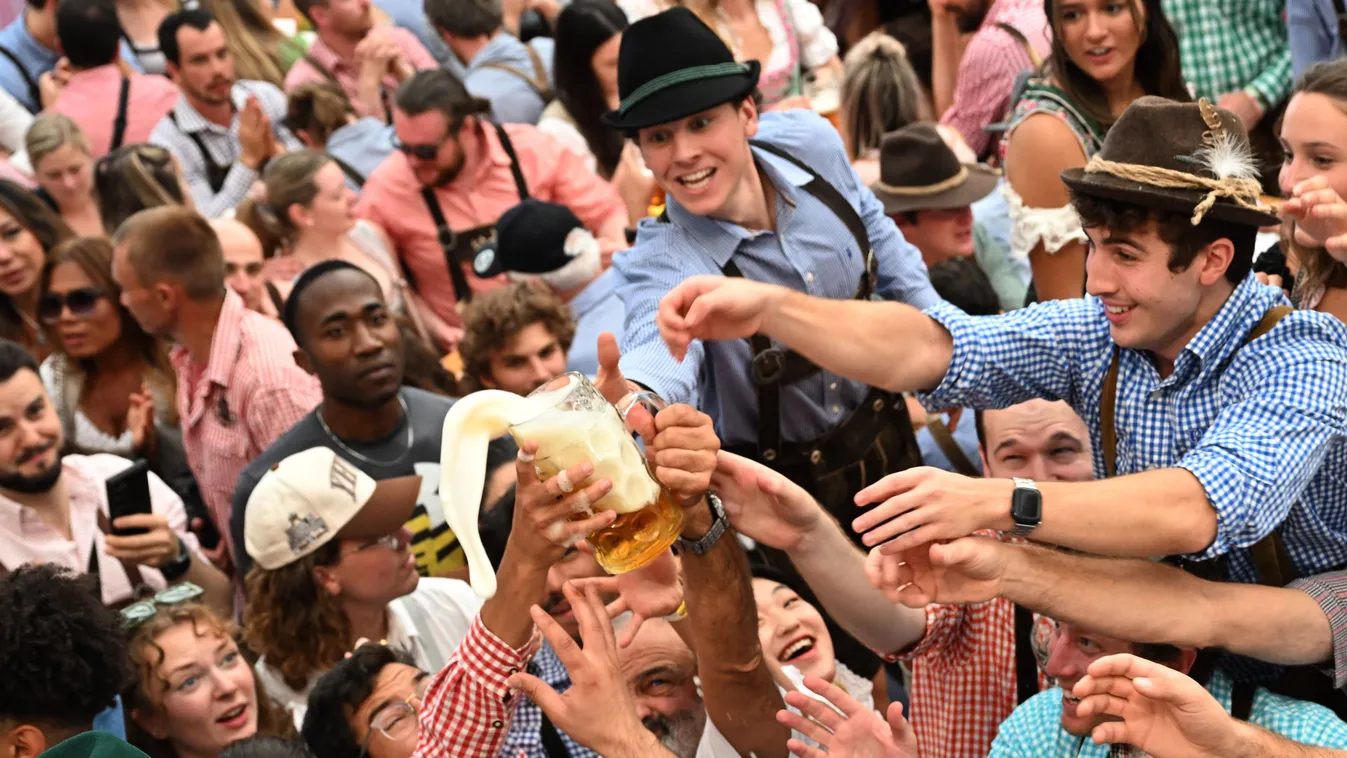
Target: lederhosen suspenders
461,247
133,578
119,123
215,173
351,173
384,98
538,81
34,91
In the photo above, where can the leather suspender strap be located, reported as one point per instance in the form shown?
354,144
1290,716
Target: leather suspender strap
538,81
119,123
350,171
520,185
1241,699
34,91
1034,57
947,444
1269,554
1026,665
1341,10
215,173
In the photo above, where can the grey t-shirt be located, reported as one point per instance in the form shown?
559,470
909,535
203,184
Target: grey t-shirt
433,542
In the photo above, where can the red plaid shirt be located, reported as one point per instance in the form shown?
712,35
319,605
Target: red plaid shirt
963,675
469,708
234,407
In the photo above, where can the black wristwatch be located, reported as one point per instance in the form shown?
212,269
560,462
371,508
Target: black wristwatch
1026,507
176,568
719,526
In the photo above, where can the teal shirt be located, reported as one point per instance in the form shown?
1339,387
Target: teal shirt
1035,730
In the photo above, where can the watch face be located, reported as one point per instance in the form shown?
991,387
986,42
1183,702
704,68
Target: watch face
1026,506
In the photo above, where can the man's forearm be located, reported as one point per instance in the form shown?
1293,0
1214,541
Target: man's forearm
1255,742
217,590
1154,513
834,569
520,586
1273,624
888,345
741,697
945,53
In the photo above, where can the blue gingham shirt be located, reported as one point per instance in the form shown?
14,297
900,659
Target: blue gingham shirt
812,252
1263,429
1035,730
526,733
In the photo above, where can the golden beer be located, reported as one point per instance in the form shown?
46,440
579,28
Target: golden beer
580,425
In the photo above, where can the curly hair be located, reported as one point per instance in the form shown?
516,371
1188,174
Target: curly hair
338,694
493,319
295,623
63,652
146,692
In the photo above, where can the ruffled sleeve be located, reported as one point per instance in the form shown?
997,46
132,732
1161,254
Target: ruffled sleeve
1054,227
818,44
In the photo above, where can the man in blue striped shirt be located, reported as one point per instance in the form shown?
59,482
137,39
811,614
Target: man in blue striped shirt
1218,443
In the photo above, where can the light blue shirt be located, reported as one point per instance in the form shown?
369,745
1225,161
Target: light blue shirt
1312,26
1034,730
813,252
513,100
362,145
112,720
411,15
36,59
597,309
965,436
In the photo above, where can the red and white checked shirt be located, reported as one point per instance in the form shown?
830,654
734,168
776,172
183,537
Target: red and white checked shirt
990,63
233,408
963,676
347,72
469,707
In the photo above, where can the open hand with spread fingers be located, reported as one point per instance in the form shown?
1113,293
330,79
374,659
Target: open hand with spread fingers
846,729
968,570
654,590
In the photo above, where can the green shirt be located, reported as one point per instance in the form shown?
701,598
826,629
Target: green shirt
1233,45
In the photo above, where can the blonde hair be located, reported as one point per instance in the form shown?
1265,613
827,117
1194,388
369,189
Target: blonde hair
50,132
880,93
318,109
289,180
252,39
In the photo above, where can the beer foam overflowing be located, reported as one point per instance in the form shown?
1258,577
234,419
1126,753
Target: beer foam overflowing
598,436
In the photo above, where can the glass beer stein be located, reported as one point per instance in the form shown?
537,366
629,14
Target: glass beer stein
576,424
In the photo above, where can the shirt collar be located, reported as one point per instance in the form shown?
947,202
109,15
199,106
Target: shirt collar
79,490
719,239
190,120
1226,331
596,292
325,57
498,48
95,75
402,632
496,157
227,342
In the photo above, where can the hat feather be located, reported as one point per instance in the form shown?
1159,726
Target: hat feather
1227,156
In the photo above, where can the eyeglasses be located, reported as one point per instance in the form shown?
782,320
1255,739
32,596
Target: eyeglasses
397,721
421,152
136,614
394,542
251,269
81,303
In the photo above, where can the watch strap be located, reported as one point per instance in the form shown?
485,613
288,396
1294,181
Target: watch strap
719,525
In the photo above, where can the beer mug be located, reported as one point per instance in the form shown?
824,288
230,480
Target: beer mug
824,91
574,424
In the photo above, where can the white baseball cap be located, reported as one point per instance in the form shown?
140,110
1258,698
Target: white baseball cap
316,496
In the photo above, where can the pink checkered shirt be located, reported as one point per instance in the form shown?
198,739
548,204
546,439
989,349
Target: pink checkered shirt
469,708
346,72
990,63
233,408
963,676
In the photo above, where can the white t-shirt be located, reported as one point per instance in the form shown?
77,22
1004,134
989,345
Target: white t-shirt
428,624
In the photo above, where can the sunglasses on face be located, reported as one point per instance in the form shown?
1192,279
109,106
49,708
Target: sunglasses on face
136,614
420,152
81,303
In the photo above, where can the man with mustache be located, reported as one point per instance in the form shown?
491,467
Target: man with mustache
972,83
54,510
456,173
347,338
222,130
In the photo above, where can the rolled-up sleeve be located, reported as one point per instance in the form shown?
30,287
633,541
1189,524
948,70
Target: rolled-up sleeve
1034,352
1260,454
1330,592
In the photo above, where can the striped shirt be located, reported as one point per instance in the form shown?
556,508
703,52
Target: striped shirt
1330,592
1034,730
248,394
812,252
990,63
1262,427
322,65
174,133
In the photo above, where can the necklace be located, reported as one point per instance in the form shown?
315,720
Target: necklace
328,431
31,323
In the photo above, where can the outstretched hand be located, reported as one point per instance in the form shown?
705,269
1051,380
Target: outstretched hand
652,591
847,729
968,570
714,308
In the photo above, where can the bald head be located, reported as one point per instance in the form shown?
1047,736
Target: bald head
1039,440
243,260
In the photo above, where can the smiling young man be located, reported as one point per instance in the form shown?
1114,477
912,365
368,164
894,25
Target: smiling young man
1222,432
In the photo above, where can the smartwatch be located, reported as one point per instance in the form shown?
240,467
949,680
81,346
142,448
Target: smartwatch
719,526
1026,507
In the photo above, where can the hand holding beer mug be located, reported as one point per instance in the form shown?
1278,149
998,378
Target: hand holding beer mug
571,424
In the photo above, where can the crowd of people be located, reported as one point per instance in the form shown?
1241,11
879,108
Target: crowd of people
992,363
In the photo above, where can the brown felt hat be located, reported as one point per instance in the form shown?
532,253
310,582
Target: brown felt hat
1185,157
918,172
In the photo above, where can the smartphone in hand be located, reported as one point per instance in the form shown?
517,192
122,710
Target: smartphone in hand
128,494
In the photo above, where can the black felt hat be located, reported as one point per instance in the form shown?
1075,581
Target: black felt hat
530,239
670,66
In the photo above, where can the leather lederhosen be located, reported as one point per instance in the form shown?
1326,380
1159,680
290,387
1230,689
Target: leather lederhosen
461,247
874,441
215,173
1270,557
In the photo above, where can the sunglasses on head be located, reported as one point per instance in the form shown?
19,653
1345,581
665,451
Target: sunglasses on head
138,613
81,303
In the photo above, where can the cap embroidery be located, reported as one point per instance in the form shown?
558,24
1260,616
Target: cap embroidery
343,477
303,532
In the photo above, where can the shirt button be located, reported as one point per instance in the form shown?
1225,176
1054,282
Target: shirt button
837,409
497,723
512,671
833,386
809,276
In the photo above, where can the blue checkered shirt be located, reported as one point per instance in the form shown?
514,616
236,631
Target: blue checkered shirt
1263,428
812,251
1035,730
526,733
